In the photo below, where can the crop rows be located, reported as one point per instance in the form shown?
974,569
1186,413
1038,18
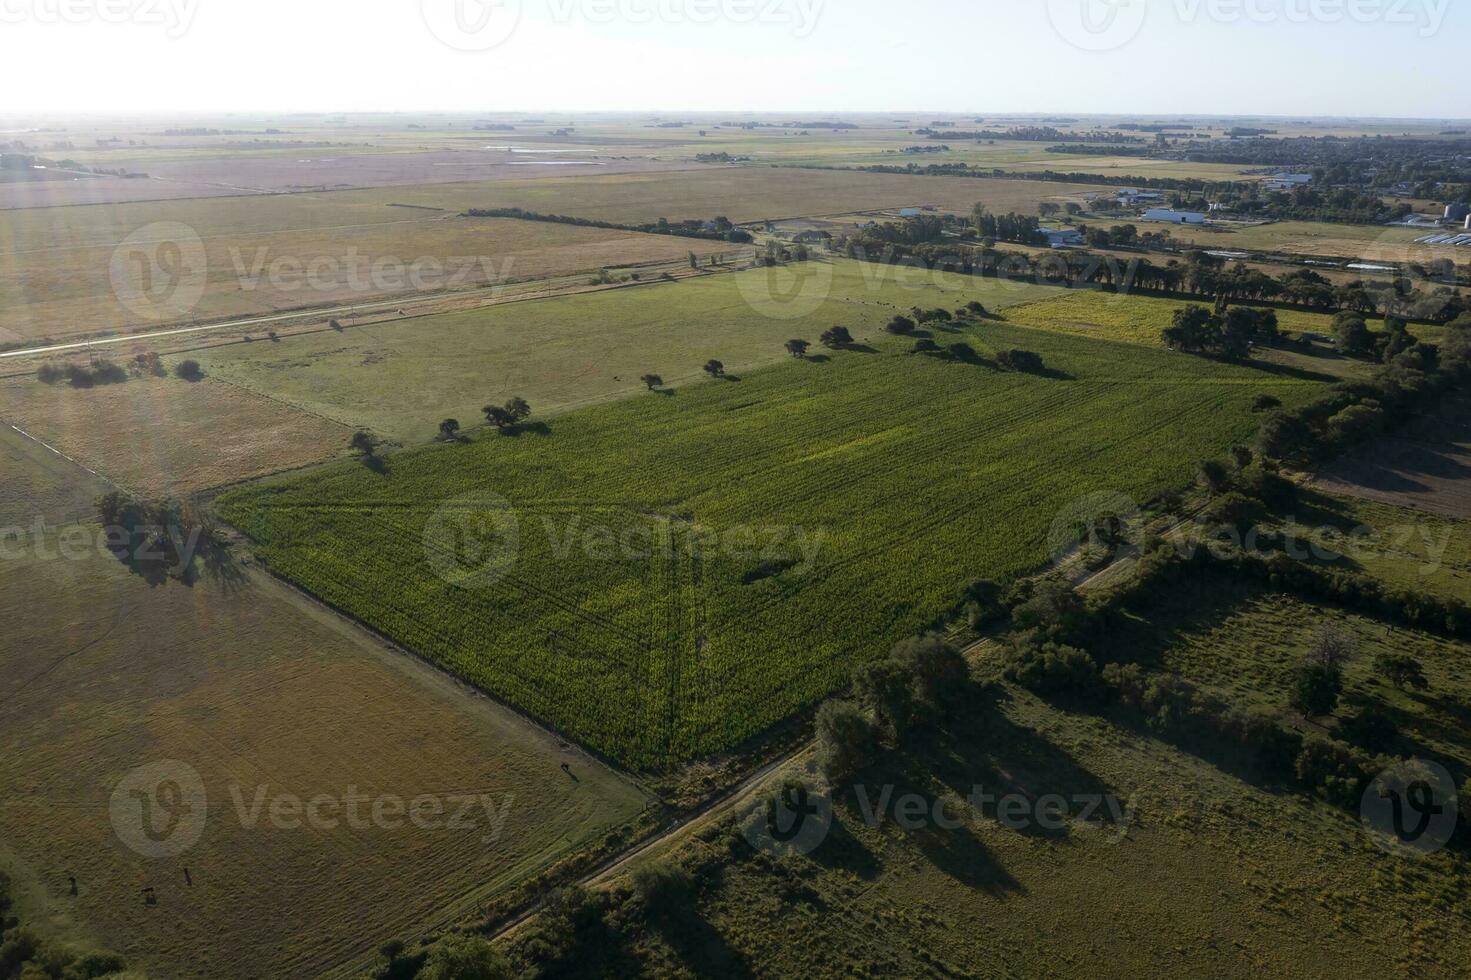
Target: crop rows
875,487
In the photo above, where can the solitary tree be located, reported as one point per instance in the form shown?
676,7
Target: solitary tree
652,381
715,369
336,325
1402,670
189,370
449,429
797,348
364,443
836,337
518,408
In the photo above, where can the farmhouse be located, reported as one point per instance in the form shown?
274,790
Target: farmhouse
1062,237
1130,196
1175,217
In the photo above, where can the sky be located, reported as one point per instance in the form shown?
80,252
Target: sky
1392,58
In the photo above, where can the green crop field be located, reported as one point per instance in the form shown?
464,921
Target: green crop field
875,483
402,378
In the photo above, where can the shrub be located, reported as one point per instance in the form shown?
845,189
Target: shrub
1056,671
1401,670
940,674
1317,688
845,740
664,887
189,370
1024,361
464,958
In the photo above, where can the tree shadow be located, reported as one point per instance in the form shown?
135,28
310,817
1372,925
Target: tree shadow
842,849
1282,370
528,429
700,945
816,358
377,464
859,349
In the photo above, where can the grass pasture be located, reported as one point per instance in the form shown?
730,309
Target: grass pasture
875,483
167,436
402,378
1132,319
256,691
1212,870
1401,547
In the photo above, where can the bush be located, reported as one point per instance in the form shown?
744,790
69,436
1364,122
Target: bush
665,888
1056,671
940,674
845,740
189,371
464,958
1401,670
1317,688
1024,361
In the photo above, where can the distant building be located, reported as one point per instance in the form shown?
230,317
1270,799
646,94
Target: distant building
812,236
909,212
1174,217
1287,182
1131,196
1456,212
1062,237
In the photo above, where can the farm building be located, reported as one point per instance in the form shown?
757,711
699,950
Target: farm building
909,212
1287,182
1062,237
1455,213
1175,217
1131,196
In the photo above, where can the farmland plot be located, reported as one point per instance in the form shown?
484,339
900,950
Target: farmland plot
878,484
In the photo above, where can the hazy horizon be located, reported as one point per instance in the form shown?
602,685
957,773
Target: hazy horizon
1346,59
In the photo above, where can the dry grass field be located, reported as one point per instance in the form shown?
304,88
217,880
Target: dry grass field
745,194
246,257
167,436
259,693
